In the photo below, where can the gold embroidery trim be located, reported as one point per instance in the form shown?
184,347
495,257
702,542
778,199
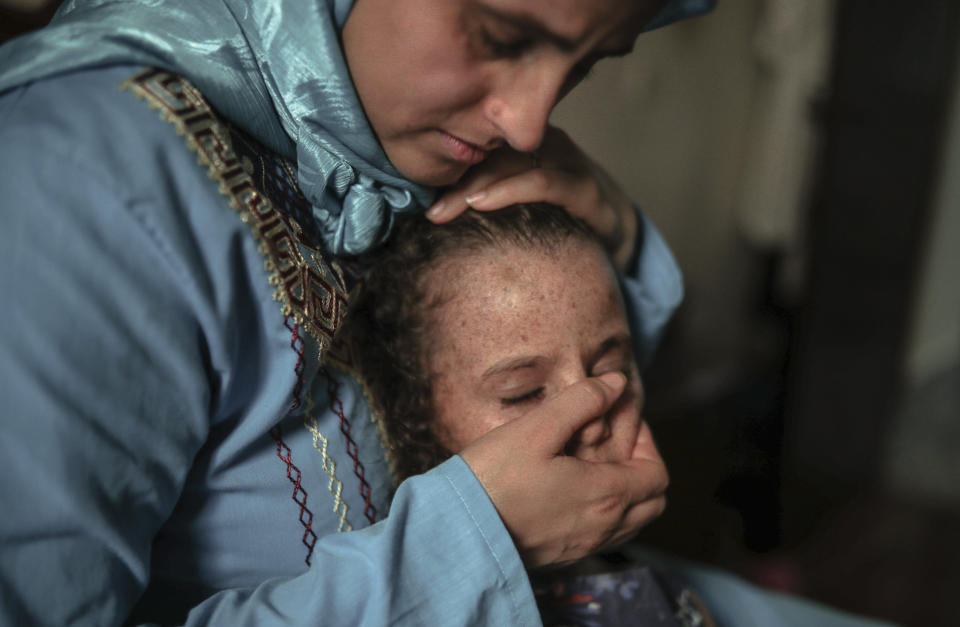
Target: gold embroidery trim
329,465
309,287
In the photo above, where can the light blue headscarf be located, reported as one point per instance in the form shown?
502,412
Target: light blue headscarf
272,67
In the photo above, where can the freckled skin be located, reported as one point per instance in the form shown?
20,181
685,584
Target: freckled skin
553,313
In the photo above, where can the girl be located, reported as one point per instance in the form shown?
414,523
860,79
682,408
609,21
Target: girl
464,329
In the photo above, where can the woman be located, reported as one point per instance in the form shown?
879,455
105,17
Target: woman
459,330
173,447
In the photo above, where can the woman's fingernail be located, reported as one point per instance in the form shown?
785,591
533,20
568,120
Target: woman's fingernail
474,198
436,211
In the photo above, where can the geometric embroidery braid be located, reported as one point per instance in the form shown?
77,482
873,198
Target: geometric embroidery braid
311,288
299,494
336,406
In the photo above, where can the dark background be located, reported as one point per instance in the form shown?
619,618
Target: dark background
782,472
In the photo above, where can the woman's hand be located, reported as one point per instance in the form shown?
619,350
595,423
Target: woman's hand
560,174
559,508
616,435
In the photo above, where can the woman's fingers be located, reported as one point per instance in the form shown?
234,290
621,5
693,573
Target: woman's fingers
535,185
502,164
626,497
647,504
561,174
493,190
545,431
555,423
637,516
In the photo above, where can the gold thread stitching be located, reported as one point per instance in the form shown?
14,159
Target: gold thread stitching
329,465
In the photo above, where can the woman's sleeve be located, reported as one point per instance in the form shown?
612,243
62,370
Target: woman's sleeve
104,391
653,289
442,557
107,389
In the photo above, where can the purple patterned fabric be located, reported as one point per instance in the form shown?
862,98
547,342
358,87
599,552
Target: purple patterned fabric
637,595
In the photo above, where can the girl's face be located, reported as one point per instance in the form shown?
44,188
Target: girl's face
515,327
444,82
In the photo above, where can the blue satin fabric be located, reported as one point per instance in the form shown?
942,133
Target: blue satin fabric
275,69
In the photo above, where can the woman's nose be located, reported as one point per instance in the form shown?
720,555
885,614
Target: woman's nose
521,108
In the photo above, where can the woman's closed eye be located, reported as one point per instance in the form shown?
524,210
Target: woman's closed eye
526,397
504,47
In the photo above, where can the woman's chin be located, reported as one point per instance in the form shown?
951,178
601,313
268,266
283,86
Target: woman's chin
428,169
443,176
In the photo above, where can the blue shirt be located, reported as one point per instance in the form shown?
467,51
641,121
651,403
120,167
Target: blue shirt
146,363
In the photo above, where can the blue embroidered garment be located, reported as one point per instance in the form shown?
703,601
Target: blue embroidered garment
171,444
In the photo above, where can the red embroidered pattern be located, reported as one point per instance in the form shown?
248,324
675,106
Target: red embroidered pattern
299,494
309,286
336,406
283,451
296,343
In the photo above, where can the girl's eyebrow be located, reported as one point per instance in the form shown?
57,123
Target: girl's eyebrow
511,364
619,341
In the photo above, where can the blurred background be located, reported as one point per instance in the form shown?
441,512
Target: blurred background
799,156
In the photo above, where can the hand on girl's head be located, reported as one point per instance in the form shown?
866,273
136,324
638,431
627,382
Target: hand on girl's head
560,174
459,92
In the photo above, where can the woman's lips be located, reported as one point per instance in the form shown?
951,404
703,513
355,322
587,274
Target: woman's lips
463,151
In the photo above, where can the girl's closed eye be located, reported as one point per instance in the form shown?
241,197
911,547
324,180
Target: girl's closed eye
534,394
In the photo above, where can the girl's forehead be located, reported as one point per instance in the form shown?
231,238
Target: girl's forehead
472,278
547,303
519,253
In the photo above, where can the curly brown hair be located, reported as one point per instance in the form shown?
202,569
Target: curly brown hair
389,323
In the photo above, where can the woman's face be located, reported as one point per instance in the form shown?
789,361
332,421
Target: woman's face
444,82
515,327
